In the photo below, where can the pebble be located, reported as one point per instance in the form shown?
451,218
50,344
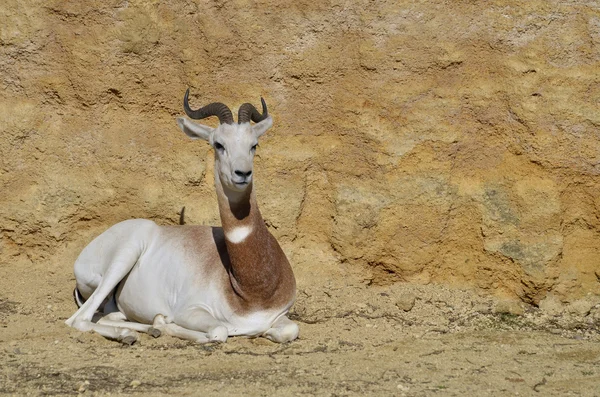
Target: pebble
581,307
551,305
402,387
83,387
406,301
135,383
509,307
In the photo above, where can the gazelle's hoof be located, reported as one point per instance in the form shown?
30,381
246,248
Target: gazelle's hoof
128,340
128,337
154,332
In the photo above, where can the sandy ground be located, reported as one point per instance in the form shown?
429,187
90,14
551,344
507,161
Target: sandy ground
355,340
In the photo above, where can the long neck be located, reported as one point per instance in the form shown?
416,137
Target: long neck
258,266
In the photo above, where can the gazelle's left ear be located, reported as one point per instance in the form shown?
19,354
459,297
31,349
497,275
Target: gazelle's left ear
263,126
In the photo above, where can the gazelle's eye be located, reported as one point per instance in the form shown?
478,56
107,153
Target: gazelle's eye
219,147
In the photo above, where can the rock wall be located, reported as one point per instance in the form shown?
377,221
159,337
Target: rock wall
454,143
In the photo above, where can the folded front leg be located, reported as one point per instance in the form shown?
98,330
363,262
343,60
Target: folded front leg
283,330
119,320
196,325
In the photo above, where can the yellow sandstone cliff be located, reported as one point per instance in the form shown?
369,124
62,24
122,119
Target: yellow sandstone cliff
454,143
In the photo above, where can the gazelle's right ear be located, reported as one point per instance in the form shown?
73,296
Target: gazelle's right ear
193,130
262,127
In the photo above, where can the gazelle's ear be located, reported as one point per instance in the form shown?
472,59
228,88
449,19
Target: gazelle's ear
262,127
193,130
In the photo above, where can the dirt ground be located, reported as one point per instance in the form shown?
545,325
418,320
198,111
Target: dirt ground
355,339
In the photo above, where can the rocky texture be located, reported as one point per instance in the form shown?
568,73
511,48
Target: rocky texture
424,142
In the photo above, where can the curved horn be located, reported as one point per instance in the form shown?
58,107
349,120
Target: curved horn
214,109
248,112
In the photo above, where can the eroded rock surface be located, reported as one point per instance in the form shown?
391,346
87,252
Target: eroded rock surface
453,143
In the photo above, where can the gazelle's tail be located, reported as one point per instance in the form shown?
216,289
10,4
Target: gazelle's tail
182,216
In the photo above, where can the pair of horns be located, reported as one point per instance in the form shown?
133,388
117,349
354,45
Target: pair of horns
246,113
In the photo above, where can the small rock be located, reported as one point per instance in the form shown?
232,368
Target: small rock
406,301
509,307
581,307
83,387
135,383
402,387
551,305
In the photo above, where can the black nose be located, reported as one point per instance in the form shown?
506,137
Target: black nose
243,174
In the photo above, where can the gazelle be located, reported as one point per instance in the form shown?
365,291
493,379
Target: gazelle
198,283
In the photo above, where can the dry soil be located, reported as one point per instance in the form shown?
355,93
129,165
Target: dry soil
355,340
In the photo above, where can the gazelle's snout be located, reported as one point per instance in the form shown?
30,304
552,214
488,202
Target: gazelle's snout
242,177
243,174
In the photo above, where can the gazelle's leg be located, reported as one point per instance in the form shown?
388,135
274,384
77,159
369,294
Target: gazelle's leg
118,320
173,329
198,319
121,264
283,330
196,325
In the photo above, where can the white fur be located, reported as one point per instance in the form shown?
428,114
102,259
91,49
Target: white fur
238,234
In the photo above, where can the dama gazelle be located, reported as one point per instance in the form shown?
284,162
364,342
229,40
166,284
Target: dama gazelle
198,283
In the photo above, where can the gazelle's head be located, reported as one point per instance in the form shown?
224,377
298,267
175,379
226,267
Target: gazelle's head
234,144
